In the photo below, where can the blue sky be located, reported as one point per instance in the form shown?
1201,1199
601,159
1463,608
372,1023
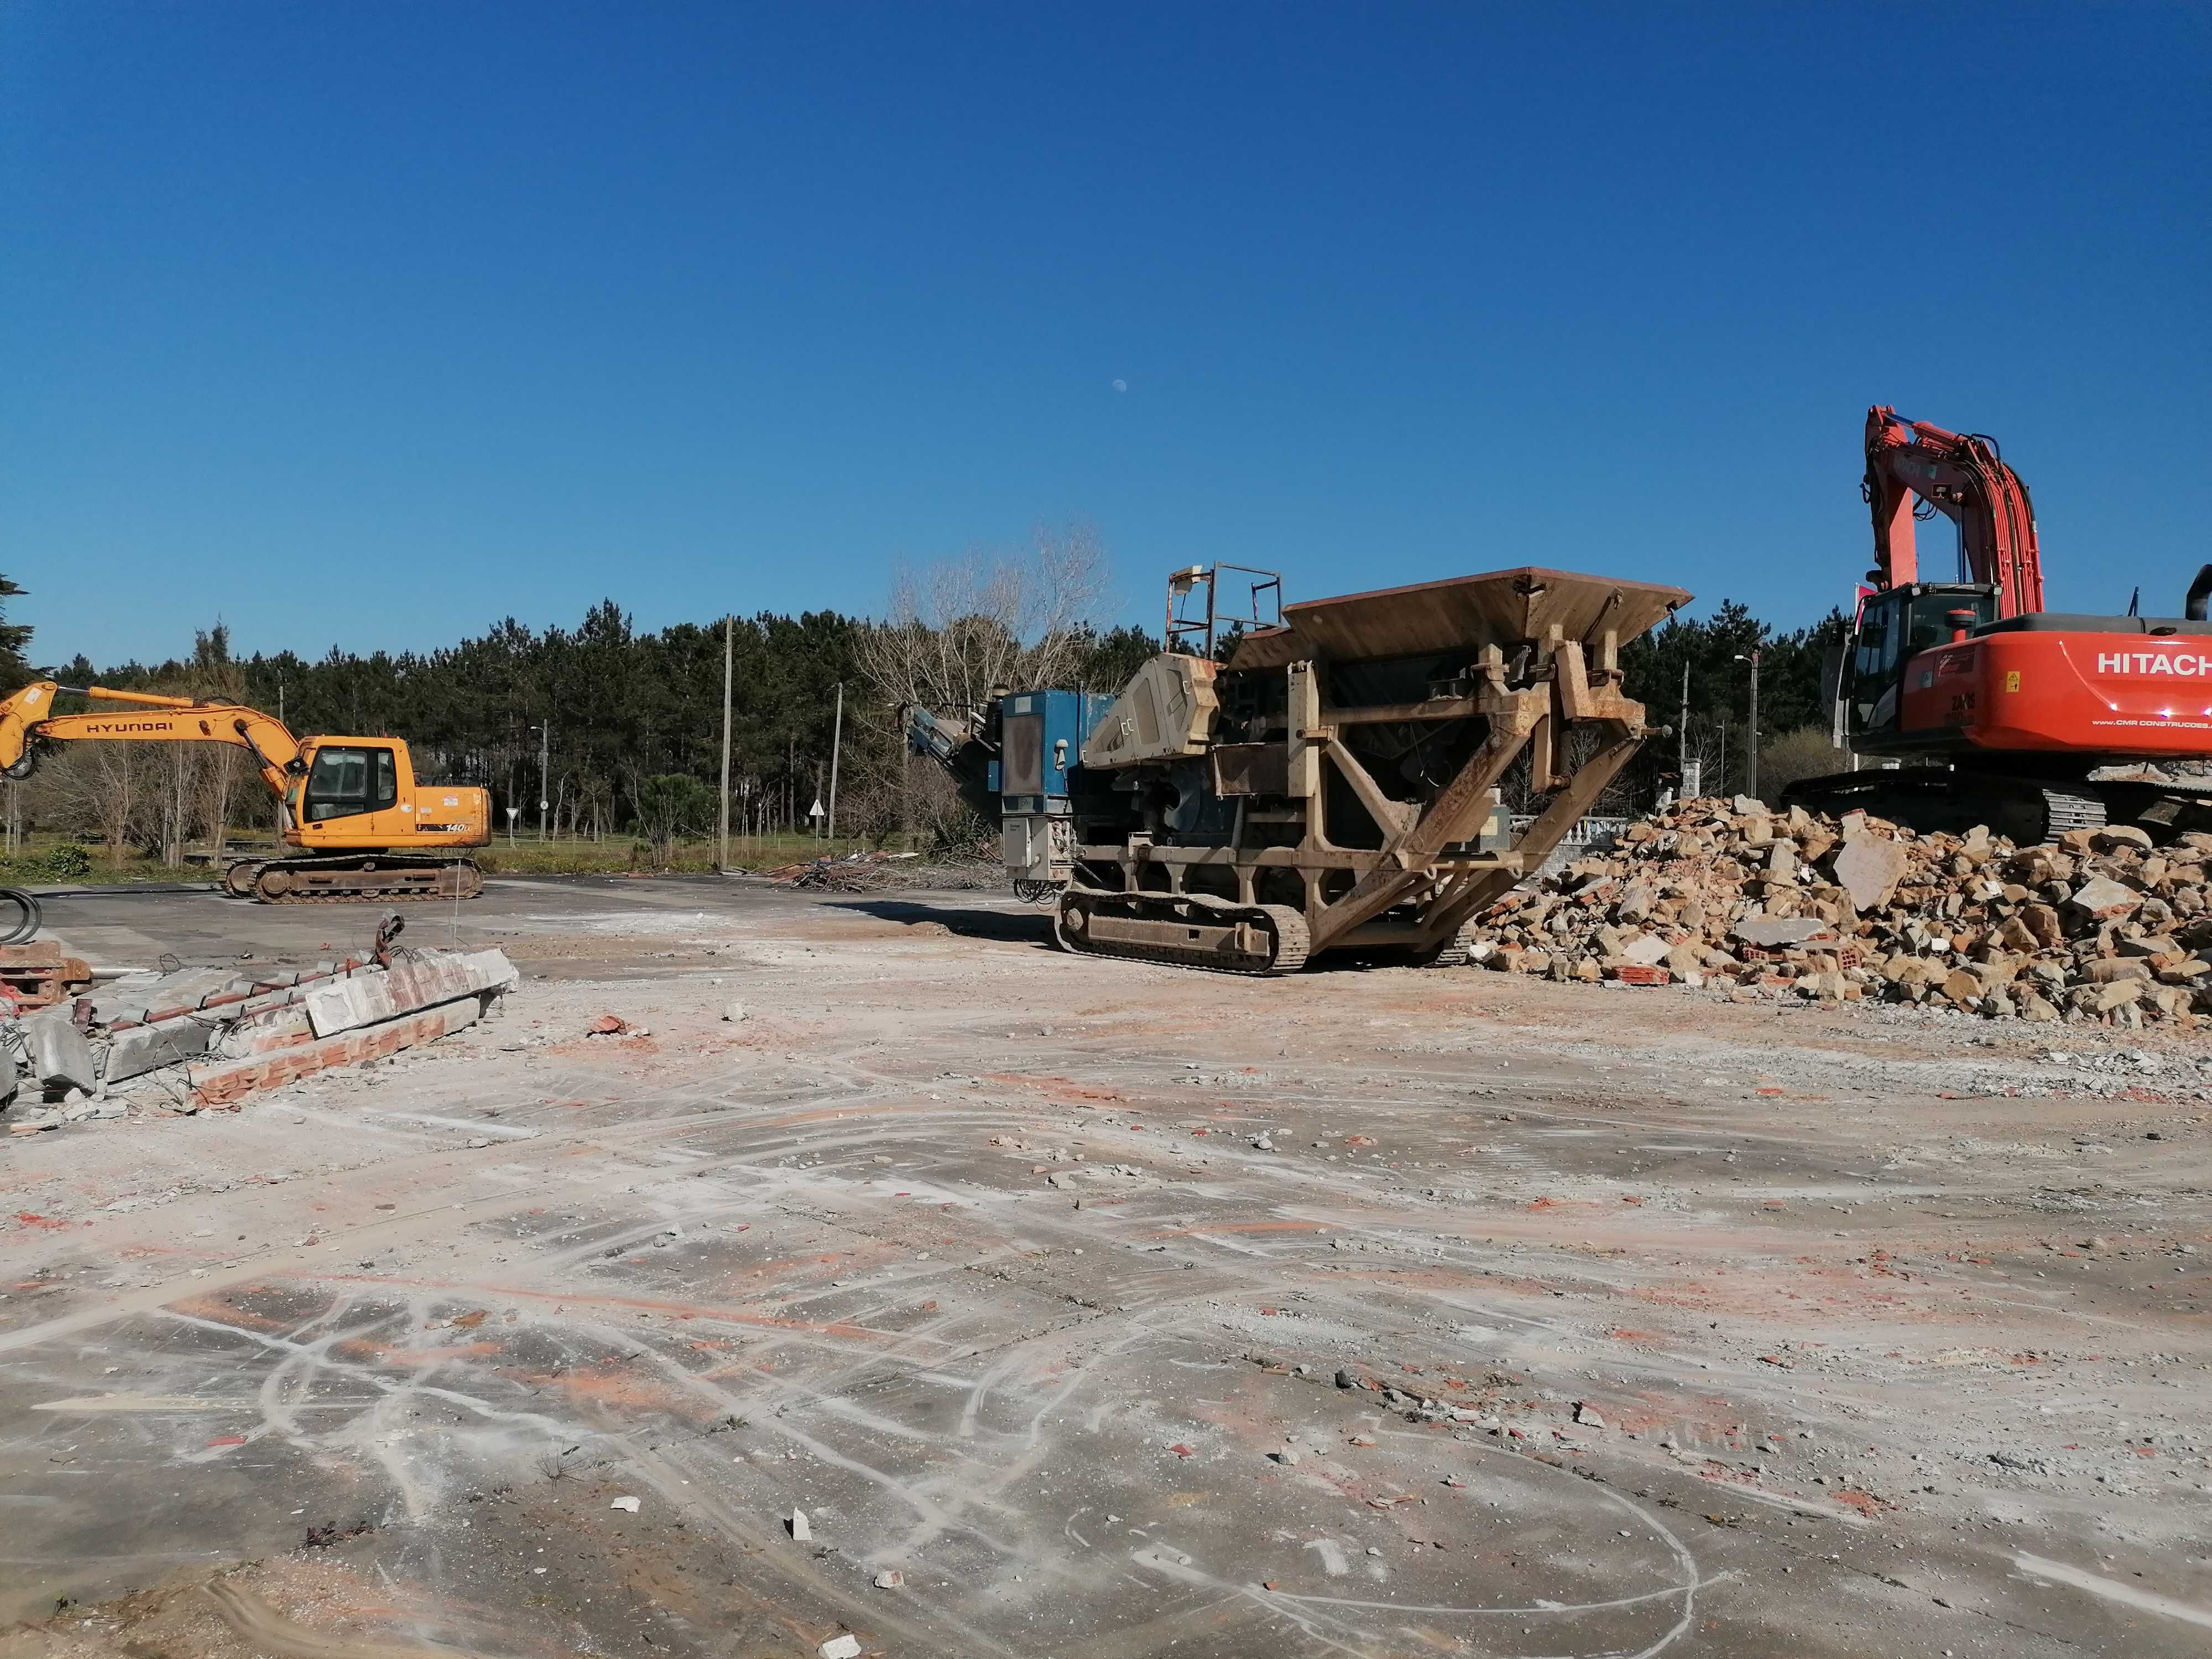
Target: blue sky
368,325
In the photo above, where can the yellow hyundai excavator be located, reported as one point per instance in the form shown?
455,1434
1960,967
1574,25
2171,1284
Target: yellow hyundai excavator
362,827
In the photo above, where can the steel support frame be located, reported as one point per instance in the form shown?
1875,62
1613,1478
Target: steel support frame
1572,692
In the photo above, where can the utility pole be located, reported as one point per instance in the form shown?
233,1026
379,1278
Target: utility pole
545,774
1682,731
1751,741
836,742
729,634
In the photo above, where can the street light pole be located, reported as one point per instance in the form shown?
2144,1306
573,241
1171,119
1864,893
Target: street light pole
544,774
837,742
729,635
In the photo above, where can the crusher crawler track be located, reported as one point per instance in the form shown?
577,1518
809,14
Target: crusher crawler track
378,877
1186,930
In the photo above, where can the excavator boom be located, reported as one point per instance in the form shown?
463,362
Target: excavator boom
164,720
1964,478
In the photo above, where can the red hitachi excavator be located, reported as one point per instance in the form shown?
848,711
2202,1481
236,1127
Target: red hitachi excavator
2030,722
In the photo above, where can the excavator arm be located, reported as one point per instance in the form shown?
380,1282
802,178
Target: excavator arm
1963,478
26,718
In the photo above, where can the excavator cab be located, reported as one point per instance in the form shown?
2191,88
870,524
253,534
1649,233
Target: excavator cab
348,779
1894,627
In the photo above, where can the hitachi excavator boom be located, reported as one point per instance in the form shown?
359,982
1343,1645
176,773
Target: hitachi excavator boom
361,827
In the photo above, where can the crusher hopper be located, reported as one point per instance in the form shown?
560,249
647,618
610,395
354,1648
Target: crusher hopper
1327,779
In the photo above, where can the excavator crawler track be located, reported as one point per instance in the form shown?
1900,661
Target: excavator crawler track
1182,930
379,880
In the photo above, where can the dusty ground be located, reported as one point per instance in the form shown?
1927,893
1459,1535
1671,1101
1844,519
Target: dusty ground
1885,1341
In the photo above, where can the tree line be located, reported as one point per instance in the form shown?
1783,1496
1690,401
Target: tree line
618,729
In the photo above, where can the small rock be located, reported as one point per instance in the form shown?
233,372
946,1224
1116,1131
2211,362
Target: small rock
803,1534
891,1580
629,1503
733,1012
1587,1415
840,1647
1775,933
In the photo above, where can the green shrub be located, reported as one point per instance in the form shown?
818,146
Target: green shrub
67,862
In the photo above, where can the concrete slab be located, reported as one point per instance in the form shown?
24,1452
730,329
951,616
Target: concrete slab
139,1048
60,1056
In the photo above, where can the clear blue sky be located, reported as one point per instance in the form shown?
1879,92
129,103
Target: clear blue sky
370,323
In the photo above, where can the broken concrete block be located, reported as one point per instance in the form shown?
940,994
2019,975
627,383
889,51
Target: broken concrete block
2120,994
349,1003
2101,899
1869,868
226,1086
1777,932
2104,971
840,1647
1959,985
427,978
137,1049
61,1057
1646,952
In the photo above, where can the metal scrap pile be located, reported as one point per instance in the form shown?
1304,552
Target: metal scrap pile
2102,925
198,1038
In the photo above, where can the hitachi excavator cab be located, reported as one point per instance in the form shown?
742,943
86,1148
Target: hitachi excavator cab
1893,628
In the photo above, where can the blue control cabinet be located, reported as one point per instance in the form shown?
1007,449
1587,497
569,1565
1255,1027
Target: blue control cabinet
1041,737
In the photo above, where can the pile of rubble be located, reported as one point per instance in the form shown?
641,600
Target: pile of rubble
855,872
194,1039
877,872
2101,925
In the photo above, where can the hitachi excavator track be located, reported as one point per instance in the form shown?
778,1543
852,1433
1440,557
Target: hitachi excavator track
1186,930
378,878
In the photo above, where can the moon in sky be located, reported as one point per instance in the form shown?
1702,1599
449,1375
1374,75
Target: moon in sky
1120,386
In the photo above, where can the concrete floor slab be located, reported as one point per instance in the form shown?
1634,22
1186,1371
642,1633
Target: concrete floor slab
1670,1326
